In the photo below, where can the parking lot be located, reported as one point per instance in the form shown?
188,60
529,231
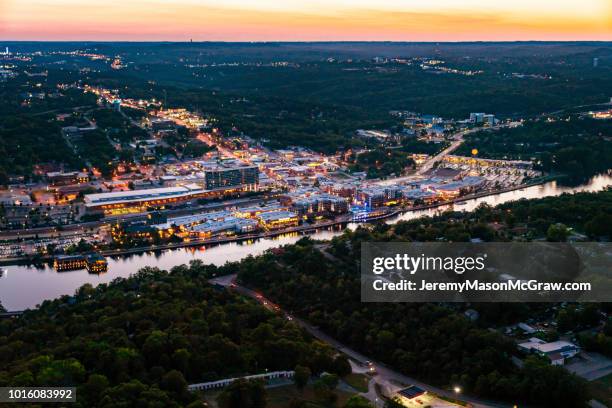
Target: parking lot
590,366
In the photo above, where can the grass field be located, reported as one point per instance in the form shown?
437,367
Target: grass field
280,397
357,381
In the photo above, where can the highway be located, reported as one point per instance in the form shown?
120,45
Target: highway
386,377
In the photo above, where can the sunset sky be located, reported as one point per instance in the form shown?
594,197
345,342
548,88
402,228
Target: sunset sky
316,20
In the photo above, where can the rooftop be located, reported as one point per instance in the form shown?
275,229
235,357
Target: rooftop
276,215
135,195
411,392
548,348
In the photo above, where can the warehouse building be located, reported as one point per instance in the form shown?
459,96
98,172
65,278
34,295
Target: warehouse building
556,351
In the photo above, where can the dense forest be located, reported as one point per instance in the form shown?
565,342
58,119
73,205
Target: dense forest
577,147
431,342
117,126
280,121
26,141
292,94
525,79
96,149
428,341
29,130
380,162
140,341
312,95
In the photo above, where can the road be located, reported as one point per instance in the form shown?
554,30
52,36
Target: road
609,103
387,377
428,165
458,139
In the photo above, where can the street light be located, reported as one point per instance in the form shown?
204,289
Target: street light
457,389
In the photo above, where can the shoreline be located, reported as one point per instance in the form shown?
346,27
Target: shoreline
343,219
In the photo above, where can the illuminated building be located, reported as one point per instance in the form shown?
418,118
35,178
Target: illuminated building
320,204
407,395
448,191
373,197
457,188
418,194
483,118
221,177
476,161
602,115
278,219
69,262
228,226
132,230
58,178
126,202
67,193
419,158
94,263
214,181
253,212
342,190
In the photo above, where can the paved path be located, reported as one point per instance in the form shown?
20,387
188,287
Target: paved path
590,366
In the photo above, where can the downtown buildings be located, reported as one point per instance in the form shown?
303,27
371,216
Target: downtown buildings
214,181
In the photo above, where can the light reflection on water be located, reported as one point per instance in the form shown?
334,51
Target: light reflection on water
26,286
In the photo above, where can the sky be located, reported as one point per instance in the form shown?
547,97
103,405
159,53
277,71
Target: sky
303,20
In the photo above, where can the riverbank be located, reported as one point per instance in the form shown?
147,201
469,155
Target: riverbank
187,244
25,286
341,220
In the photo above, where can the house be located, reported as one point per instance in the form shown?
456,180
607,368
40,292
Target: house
526,328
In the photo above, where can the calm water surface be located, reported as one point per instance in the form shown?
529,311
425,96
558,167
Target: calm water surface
26,286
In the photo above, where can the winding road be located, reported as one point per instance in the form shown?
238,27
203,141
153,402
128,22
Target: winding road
387,378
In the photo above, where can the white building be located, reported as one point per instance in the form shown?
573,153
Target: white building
556,351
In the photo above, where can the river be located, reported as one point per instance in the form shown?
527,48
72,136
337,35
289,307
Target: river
26,286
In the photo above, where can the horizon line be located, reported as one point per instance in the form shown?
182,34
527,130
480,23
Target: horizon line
304,41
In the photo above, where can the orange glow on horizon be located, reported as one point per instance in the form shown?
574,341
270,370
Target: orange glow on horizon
314,20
